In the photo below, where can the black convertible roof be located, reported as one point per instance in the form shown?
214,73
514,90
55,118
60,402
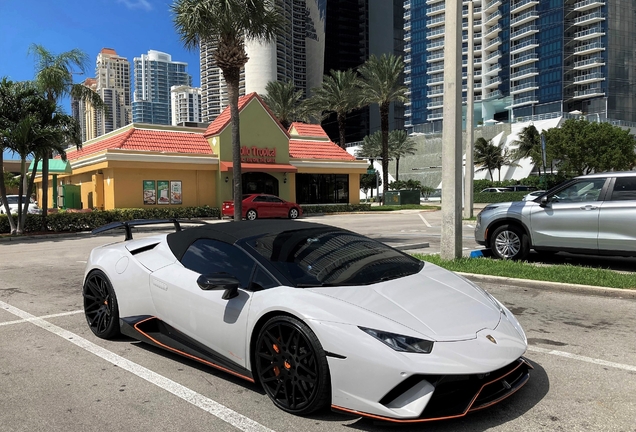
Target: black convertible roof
231,232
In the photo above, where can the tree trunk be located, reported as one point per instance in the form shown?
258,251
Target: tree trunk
3,195
397,169
342,123
29,191
231,76
384,125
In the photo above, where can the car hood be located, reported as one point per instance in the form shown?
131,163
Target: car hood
435,302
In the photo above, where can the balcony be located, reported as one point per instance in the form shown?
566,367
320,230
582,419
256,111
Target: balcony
587,5
524,46
524,87
589,78
528,100
492,95
493,29
435,21
437,103
493,57
434,57
589,63
589,34
589,48
428,2
524,18
435,92
491,83
493,70
492,5
522,5
435,9
588,93
435,33
435,68
434,80
590,18
493,17
493,43
435,45
526,73
526,31
526,59
407,48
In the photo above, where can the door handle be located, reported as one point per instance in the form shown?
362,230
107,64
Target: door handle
588,207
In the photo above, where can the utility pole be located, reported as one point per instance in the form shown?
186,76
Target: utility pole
469,170
451,241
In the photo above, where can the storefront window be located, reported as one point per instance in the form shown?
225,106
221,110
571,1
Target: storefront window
322,188
255,182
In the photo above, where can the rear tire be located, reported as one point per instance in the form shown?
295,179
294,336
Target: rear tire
509,242
100,305
293,213
251,215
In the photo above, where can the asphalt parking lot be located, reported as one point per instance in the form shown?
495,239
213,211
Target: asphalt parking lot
56,376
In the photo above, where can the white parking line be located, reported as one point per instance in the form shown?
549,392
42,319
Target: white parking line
216,409
425,221
42,317
583,358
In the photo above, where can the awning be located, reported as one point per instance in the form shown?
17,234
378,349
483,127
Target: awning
56,166
245,167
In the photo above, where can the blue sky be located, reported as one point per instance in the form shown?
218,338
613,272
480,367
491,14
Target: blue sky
130,27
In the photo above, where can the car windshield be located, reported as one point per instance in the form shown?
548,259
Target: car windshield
333,257
14,199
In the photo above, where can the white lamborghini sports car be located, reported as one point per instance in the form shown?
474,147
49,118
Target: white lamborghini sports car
319,316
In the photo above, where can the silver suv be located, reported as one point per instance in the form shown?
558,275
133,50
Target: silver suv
592,214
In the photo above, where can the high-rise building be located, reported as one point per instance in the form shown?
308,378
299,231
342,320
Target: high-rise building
532,58
155,74
112,84
185,104
297,56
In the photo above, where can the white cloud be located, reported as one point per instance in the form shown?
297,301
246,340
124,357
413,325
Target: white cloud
136,4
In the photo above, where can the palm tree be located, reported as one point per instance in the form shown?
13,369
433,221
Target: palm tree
226,25
382,84
400,145
54,77
529,146
487,156
339,93
371,146
284,101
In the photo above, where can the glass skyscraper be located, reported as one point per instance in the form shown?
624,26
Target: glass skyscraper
532,59
155,73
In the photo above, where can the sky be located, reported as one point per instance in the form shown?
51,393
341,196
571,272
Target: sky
130,27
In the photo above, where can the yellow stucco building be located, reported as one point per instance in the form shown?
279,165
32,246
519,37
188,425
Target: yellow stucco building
143,165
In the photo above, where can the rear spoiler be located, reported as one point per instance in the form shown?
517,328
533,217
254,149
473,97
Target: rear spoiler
128,225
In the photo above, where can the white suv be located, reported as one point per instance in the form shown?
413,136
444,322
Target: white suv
12,200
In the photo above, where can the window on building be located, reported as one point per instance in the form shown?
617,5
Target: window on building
322,188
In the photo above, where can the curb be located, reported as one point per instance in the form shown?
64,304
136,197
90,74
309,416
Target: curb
627,293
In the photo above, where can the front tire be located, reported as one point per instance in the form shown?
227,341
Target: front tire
293,213
251,215
292,366
100,305
509,242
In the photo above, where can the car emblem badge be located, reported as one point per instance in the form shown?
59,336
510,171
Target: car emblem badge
491,339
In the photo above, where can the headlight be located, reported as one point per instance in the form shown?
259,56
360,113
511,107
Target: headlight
401,343
489,207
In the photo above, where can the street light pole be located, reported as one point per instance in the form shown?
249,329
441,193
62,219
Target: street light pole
451,239
469,169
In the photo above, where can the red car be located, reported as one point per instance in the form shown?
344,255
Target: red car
263,206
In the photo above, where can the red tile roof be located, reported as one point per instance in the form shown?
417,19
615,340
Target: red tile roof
301,149
223,119
148,140
308,130
108,51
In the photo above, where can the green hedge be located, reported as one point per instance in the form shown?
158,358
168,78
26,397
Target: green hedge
494,197
79,221
334,208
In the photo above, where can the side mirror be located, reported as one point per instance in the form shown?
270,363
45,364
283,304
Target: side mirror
219,281
543,202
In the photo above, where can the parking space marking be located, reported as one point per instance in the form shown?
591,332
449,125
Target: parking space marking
216,409
42,317
424,220
583,358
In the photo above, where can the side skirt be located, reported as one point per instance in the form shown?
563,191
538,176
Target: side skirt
153,331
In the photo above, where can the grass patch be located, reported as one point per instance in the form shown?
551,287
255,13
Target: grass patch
404,207
565,273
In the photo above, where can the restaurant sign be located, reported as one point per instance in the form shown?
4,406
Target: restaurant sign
258,154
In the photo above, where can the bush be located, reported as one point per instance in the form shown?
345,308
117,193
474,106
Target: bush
492,197
83,221
334,208
544,182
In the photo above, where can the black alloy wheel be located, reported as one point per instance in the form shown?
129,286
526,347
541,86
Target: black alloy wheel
100,305
292,366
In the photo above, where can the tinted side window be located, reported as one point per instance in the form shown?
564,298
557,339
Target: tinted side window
585,190
262,280
274,200
206,256
259,199
624,189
